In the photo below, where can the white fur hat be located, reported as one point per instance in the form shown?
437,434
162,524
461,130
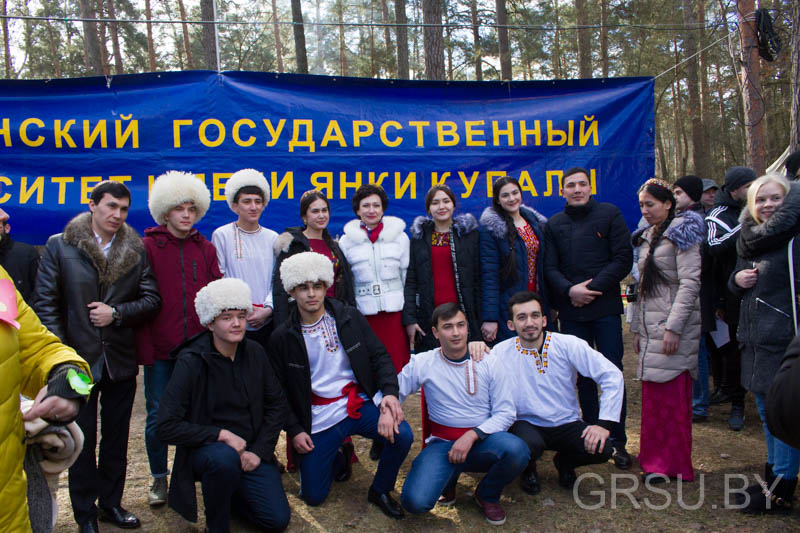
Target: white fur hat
243,178
172,188
221,295
304,267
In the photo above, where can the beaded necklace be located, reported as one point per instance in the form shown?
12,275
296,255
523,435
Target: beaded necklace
327,325
238,249
539,358
470,377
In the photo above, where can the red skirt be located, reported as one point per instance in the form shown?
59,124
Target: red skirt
666,437
389,329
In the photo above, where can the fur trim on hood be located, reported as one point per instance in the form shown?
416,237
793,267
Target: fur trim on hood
686,230
304,267
221,295
126,250
462,224
173,188
285,240
243,178
497,225
392,227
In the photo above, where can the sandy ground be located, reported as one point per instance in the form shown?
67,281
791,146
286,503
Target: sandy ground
609,500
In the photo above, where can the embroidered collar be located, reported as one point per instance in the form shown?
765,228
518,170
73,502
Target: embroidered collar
470,377
539,358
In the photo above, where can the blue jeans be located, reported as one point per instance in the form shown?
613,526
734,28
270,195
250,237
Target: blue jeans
605,336
501,455
700,385
316,467
257,495
784,459
156,378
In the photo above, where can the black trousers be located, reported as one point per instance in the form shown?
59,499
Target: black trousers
101,477
732,368
565,439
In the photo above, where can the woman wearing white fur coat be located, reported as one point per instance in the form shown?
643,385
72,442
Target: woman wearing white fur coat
377,250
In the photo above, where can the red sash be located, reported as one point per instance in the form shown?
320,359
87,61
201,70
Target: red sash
447,432
354,401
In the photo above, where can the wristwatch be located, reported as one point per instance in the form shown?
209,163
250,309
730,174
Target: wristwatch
115,316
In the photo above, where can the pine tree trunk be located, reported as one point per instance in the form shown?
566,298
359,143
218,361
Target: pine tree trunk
342,48
705,91
276,31
794,137
186,45
101,31
119,67
476,40
584,46
448,43
391,66
371,39
699,156
751,81
209,39
402,39
502,39
91,45
51,38
433,40
151,49
6,47
557,72
299,37
604,37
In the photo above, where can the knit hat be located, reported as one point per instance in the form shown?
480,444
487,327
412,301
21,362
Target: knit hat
691,185
306,267
243,178
735,177
173,188
709,184
220,296
792,164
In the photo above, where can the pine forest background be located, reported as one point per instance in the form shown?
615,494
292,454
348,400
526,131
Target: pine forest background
716,103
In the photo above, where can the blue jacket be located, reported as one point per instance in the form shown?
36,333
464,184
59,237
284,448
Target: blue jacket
495,248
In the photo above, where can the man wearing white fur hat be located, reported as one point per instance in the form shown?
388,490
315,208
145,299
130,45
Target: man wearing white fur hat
244,247
339,381
183,262
223,409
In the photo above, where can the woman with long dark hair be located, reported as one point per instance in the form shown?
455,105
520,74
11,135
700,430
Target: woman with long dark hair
765,278
444,267
666,327
315,212
512,241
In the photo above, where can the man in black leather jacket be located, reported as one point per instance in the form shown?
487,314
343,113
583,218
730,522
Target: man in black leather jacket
94,286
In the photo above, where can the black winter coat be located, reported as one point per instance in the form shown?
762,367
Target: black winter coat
293,241
372,365
587,242
765,320
723,230
418,295
784,397
187,409
21,261
74,273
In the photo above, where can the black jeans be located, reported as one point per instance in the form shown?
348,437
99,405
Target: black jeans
605,336
565,439
102,476
732,365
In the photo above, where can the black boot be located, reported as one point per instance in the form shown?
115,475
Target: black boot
529,480
779,500
376,450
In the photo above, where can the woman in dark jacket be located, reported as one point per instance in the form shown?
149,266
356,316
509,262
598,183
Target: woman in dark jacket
784,397
444,266
315,211
767,317
512,247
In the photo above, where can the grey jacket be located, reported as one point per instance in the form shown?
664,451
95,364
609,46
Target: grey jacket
675,304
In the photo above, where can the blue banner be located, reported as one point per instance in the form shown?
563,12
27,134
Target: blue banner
58,138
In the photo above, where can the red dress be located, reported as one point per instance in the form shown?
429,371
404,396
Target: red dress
321,247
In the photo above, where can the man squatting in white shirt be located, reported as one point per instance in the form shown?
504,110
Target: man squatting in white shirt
470,406
544,366
244,247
